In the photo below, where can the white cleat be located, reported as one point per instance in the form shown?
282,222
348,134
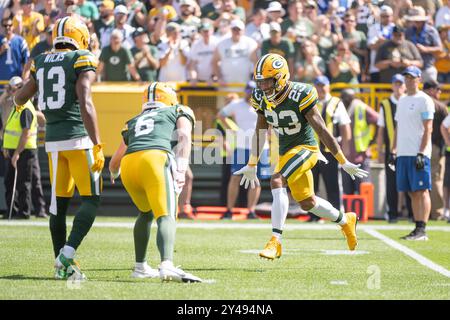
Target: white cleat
145,272
172,273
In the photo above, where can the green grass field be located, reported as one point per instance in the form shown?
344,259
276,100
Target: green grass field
315,263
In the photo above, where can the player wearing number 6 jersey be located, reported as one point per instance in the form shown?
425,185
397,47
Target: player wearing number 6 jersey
63,79
153,177
290,108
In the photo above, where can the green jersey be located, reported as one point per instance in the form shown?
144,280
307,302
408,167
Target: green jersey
287,115
56,74
155,128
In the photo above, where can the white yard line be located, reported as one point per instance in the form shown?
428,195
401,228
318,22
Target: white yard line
230,225
411,253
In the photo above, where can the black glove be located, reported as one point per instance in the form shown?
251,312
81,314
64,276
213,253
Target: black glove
391,160
420,161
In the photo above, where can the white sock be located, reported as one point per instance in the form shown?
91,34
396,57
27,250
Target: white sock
68,252
280,206
140,265
324,209
166,264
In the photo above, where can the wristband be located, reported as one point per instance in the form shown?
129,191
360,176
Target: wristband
182,164
340,157
253,161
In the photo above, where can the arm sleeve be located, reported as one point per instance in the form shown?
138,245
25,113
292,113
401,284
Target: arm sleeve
26,119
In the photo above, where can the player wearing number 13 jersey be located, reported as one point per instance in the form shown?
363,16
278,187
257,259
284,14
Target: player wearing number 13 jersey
153,177
290,108
62,77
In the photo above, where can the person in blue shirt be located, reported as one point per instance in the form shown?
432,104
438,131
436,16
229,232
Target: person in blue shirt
14,52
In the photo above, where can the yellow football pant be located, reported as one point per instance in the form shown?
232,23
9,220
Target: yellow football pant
295,165
147,177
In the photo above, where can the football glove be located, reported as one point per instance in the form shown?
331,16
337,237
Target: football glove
99,158
420,161
248,176
354,171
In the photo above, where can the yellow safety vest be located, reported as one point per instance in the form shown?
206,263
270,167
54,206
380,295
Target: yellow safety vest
13,129
331,107
388,121
361,130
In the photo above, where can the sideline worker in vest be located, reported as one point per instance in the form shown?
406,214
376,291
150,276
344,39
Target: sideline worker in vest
362,117
386,128
20,150
338,123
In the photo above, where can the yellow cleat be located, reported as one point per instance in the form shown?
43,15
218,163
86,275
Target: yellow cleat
272,249
349,230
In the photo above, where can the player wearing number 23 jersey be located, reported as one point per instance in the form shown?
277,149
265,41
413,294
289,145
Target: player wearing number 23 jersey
62,77
152,176
290,108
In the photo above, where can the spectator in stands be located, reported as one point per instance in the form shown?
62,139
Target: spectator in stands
362,116
258,29
212,9
379,33
357,42
412,146
88,10
188,21
50,12
137,13
366,14
173,53
311,10
338,123
44,45
160,8
201,54
385,136
395,55
275,12
277,44
296,20
311,65
29,24
234,57
245,117
13,8
13,52
116,62
145,56
237,12
442,19
427,40
443,58
325,40
95,45
105,25
223,27
120,23
344,65
433,89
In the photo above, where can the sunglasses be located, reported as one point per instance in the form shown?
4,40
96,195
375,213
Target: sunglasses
7,25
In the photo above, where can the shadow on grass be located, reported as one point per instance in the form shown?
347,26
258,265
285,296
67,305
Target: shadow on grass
23,277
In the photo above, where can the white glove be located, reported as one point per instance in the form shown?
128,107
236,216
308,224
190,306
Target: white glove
180,180
354,171
248,176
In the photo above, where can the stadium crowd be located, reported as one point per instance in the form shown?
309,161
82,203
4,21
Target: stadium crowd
219,41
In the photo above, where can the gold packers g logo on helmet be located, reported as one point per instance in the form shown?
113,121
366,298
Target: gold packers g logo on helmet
73,31
159,92
272,65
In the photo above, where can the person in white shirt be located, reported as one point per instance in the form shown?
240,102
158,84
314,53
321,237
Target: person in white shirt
120,20
412,147
378,34
200,58
173,53
235,57
258,29
338,122
245,118
443,17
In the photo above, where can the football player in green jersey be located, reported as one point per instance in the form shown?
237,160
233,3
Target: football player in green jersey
63,79
290,108
152,176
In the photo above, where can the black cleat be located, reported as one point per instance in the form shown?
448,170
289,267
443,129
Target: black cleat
416,235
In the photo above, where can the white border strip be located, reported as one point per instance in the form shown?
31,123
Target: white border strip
411,253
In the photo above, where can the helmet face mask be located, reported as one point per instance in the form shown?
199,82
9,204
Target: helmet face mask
271,74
